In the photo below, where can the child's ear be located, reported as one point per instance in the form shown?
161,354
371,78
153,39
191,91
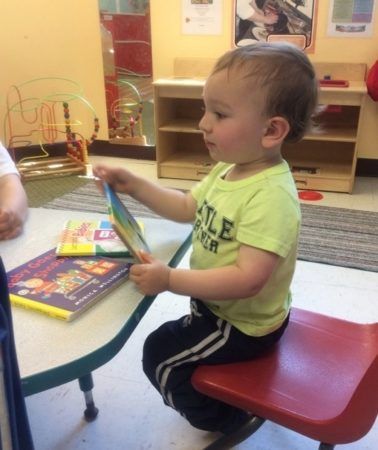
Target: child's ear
275,132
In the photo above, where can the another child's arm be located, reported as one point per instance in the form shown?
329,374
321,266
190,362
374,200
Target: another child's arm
169,203
244,279
13,206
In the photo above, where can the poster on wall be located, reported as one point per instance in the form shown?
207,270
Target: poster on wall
275,20
203,17
351,18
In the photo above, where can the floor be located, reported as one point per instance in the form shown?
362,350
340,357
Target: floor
132,415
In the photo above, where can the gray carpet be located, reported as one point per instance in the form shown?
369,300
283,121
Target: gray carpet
337,236
41,191
89,198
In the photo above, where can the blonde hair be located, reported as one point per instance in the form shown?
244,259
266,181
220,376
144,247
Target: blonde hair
287,77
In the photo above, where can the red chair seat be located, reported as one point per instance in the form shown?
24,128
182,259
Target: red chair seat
321,379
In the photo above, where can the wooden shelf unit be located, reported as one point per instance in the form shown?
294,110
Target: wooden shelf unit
324,160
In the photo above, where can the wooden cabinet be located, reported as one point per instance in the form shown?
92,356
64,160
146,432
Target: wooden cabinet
324,160
180,149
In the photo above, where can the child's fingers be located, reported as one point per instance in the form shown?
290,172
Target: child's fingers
100,186
97,170
145,257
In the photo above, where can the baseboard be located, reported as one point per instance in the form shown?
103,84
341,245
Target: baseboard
98,147
105,148
367,167
32,151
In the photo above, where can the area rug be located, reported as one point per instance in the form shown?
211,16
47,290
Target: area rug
89,198
41,191
337,236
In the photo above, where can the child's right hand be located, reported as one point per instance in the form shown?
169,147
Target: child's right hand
10,224
121,180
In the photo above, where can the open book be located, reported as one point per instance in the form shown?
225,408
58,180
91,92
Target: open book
124,223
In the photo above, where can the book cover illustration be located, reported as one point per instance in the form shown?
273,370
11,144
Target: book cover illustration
90,237
124,223
64,287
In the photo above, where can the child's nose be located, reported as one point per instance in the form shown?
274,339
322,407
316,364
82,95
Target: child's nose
204,124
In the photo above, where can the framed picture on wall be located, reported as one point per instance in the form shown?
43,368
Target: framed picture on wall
275,20
351,19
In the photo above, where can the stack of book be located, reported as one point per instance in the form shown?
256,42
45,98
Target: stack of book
91,259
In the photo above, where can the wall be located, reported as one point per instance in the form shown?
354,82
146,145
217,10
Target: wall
168,43
44,38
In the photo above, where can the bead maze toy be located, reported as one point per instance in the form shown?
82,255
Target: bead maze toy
31,123
125,116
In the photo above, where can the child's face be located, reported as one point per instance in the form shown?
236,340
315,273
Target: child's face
233,124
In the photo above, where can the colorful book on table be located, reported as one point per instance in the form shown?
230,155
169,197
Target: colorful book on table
64,287
91,237
124,224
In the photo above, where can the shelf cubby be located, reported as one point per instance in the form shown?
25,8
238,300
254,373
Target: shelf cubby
324,160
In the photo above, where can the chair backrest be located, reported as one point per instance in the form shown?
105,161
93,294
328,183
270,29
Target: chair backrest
14,424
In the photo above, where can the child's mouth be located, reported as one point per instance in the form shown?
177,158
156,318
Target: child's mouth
209,145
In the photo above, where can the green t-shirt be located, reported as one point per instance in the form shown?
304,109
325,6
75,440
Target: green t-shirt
261,211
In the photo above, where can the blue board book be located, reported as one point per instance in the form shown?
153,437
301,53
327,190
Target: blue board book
124,224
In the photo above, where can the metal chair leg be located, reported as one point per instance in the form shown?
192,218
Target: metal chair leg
86,385
324,446
230,440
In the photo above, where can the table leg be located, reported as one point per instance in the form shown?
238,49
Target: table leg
86,385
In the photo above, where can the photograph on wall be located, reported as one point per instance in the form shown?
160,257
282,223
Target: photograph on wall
202,17
275,20
351,18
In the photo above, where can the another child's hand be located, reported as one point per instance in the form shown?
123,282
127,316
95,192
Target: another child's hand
120,179
10,225
152,276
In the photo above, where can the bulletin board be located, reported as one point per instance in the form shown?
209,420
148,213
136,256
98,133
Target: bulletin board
354,18
275,20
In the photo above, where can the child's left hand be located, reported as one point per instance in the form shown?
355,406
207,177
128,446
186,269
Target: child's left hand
151,276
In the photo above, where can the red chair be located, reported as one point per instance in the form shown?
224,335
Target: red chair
320,380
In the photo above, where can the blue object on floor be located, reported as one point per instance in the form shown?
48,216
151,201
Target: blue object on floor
15,429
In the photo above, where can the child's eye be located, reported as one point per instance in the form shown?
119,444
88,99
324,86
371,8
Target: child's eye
217,114
220,115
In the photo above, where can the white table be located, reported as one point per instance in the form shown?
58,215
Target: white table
52,352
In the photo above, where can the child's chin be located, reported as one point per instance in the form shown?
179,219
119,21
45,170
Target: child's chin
217,157
214,154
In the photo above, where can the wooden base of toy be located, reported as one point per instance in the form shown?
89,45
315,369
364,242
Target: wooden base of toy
50,166
129,140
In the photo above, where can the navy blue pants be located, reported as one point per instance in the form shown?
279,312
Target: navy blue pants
173,351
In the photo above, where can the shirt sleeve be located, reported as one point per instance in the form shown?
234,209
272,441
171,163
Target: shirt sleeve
7,165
